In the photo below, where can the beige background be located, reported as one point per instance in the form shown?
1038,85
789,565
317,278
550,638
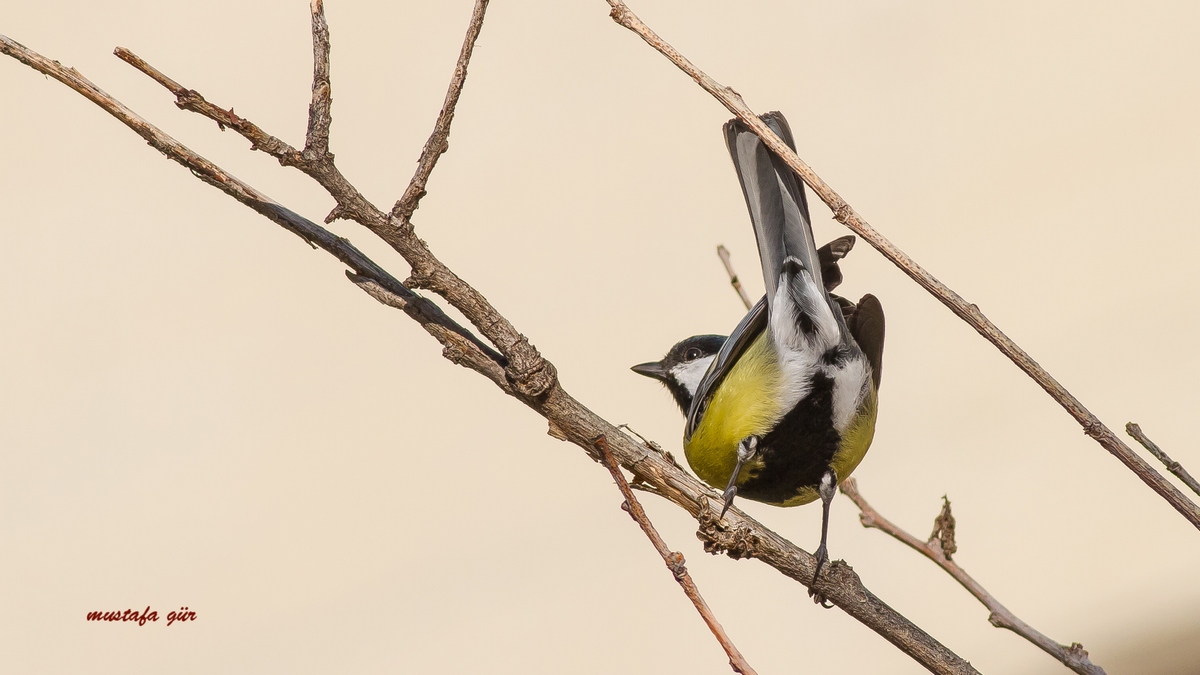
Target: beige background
199,410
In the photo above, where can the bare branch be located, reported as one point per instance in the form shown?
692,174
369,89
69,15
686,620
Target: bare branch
421,309
968,312
673,559
939,548
723,253
532,375
316,143
438,141
532,380
457,348
1172,466
189,99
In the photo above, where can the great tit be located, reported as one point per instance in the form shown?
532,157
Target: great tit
784,408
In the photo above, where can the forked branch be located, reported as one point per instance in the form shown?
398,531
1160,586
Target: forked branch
525,374
429,315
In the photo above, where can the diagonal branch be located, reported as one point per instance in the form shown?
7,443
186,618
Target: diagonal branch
736,534
723,253
939,549
438,142
968,312
1172,466
673,559
190,99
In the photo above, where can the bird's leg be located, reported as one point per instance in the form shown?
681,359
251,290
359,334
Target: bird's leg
745,451
827,490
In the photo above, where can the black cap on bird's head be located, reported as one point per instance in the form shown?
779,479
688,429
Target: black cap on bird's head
683,367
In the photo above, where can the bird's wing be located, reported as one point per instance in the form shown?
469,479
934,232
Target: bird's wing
866,325
752,325
775,199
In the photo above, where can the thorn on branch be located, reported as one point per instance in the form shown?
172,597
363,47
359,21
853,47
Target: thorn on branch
339,213
419,279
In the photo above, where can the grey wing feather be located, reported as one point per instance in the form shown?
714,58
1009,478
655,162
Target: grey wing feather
775,198
752,325
867,326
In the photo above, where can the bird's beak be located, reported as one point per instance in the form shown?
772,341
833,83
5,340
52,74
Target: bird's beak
653,369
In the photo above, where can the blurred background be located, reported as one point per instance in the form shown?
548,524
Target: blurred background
198,410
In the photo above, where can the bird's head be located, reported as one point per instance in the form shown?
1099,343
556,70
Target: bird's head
684,366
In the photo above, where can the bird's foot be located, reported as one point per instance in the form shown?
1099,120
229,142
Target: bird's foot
745,451
817,596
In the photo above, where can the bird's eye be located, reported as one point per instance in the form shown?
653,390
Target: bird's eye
692,354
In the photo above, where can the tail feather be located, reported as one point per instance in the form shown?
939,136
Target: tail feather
776,201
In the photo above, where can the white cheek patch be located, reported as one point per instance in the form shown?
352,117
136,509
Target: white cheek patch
689,373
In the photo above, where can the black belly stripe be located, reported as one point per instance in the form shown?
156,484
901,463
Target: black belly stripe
798,451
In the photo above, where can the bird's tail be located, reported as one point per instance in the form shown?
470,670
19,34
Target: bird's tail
775,199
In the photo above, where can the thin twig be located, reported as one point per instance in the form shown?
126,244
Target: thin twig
723,253
673,559
1172,466
939,548
532,375
429,315
190,99
316,142
438,141
968,312
532,380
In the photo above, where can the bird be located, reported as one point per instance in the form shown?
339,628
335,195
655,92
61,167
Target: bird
784,408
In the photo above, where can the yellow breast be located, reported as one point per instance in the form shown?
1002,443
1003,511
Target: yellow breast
745,404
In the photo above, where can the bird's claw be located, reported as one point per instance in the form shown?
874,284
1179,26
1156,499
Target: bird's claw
729,494
818,597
